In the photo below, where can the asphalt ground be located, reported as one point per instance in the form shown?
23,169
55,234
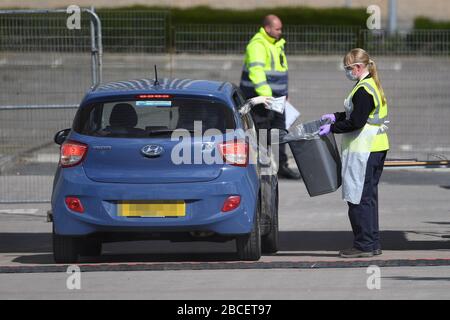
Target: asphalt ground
223,285
414,219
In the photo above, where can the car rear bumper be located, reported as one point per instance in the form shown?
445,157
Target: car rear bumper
204,201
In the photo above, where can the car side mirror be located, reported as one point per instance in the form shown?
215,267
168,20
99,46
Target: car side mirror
61,136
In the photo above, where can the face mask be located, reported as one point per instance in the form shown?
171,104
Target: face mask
348,71
350,75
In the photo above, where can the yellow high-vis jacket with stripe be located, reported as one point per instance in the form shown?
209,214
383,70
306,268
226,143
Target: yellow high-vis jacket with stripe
265,71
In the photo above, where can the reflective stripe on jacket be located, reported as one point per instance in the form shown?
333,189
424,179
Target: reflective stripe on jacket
265,71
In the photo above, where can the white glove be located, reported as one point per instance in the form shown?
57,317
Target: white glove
250,103
266,101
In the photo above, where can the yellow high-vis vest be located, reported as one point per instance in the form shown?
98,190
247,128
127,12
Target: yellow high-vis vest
378,116
265,71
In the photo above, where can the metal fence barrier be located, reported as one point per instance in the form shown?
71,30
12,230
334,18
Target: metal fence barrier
135,31
232,39
45,71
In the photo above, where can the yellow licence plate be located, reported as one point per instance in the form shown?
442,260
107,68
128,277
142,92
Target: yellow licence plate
166,208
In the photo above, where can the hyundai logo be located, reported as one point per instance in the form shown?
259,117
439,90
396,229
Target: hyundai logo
152,150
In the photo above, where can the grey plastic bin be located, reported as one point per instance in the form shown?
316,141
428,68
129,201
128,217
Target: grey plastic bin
318,161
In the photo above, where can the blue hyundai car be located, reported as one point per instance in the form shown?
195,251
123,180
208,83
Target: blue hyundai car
142,161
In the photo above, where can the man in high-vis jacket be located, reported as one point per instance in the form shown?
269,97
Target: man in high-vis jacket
265,73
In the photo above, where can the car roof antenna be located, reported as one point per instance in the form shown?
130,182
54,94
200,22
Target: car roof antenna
156,83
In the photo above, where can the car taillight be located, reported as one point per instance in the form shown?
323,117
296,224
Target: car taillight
231,203
74,204
72,153
235,153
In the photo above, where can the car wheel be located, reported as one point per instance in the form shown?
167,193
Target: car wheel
270,240
91,248
249,245
65,249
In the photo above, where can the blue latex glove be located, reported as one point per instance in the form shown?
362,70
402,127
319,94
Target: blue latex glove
329,116
324,130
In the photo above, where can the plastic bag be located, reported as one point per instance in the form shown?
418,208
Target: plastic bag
278,104
304,131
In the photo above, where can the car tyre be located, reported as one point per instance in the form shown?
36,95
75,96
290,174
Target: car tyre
249,245
91,248
65,249
270,241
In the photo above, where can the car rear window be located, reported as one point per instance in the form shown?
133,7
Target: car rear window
141,118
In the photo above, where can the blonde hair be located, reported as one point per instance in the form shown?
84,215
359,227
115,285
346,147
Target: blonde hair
359,55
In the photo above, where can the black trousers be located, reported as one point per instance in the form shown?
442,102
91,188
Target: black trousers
267,119
364,216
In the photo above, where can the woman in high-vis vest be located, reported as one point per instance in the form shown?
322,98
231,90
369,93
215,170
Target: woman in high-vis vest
364,147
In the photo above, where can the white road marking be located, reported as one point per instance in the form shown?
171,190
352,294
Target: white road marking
397,66
227,65
47,157
19,211
406,147
56,63
43,158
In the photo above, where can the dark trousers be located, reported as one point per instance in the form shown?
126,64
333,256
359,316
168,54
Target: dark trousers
267,119
364,216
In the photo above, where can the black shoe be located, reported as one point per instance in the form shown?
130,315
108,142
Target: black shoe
355,253
285,172
377,252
